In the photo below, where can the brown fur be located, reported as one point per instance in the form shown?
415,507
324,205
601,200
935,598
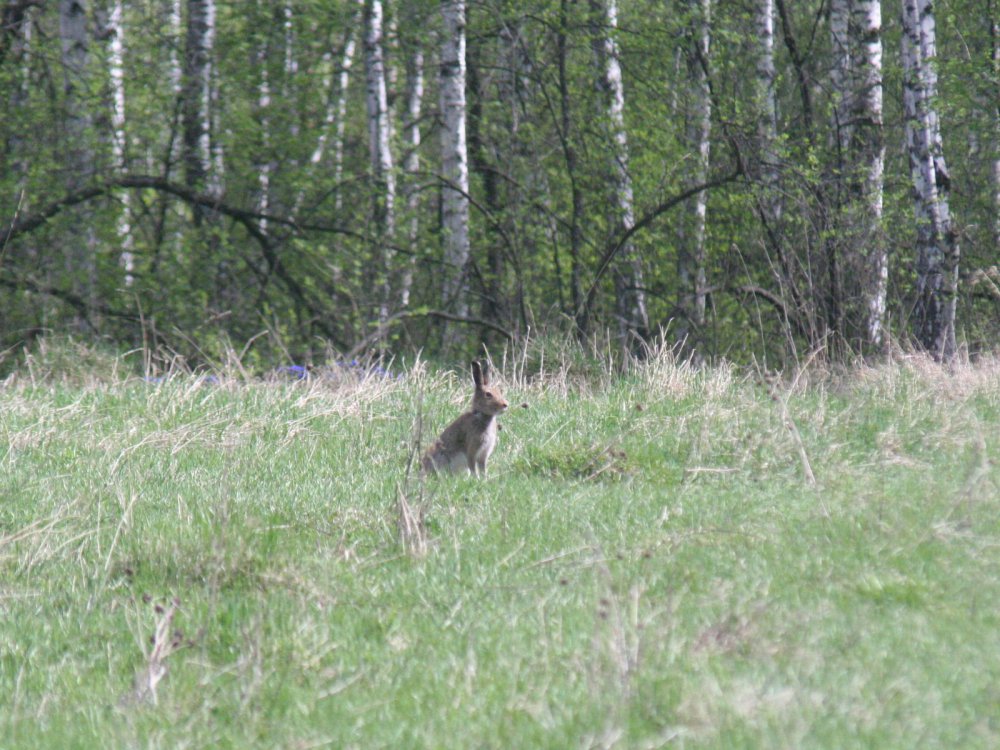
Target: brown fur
469,440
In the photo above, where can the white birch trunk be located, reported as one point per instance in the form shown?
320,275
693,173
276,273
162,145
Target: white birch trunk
857,134
291,68
217,172
630,298
341,116
454,159
176,70
264,173
197,93
390,50
116,72
868,143
81,266
839,241
264,111
411,165
333,119
335,116
691,248
767,121
937,242
330,117
383,176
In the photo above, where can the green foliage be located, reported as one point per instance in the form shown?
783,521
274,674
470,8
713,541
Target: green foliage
707,592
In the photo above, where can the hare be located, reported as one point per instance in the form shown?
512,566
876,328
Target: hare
469,440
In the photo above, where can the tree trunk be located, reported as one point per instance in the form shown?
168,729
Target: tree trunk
630,297
840,74
454,162
411,165
291,68
264,113
571,159
691,245
341,130
937,241
868,148
176,21
859,265
81,266
383,176
482,164
75,45
995,51
334,118
197,95
767,117
116,73
15,26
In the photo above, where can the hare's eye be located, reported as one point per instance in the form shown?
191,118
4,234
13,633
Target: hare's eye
489,395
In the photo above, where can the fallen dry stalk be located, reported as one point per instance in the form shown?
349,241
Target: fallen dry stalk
411,525
166,641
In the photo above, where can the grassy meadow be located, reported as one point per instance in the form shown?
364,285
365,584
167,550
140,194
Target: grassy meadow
664,558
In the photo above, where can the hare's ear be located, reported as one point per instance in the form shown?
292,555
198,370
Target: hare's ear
486,373
477,373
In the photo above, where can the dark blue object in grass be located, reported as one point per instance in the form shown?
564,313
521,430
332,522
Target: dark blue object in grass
362,371
295,372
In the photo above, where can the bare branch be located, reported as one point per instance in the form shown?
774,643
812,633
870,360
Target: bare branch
648,218
383,328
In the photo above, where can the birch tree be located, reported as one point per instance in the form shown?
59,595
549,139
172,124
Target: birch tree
291,66
284,16
454,160
383,177
341,120
630,297
767,109
197,94
995,55
868,148
116,74
411,164
691,242
264,113
175,75
81,266
175,19
856,83
937,247
335,116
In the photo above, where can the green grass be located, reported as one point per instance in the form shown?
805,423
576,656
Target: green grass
647,565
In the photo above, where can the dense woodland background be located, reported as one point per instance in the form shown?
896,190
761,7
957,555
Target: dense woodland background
749,178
